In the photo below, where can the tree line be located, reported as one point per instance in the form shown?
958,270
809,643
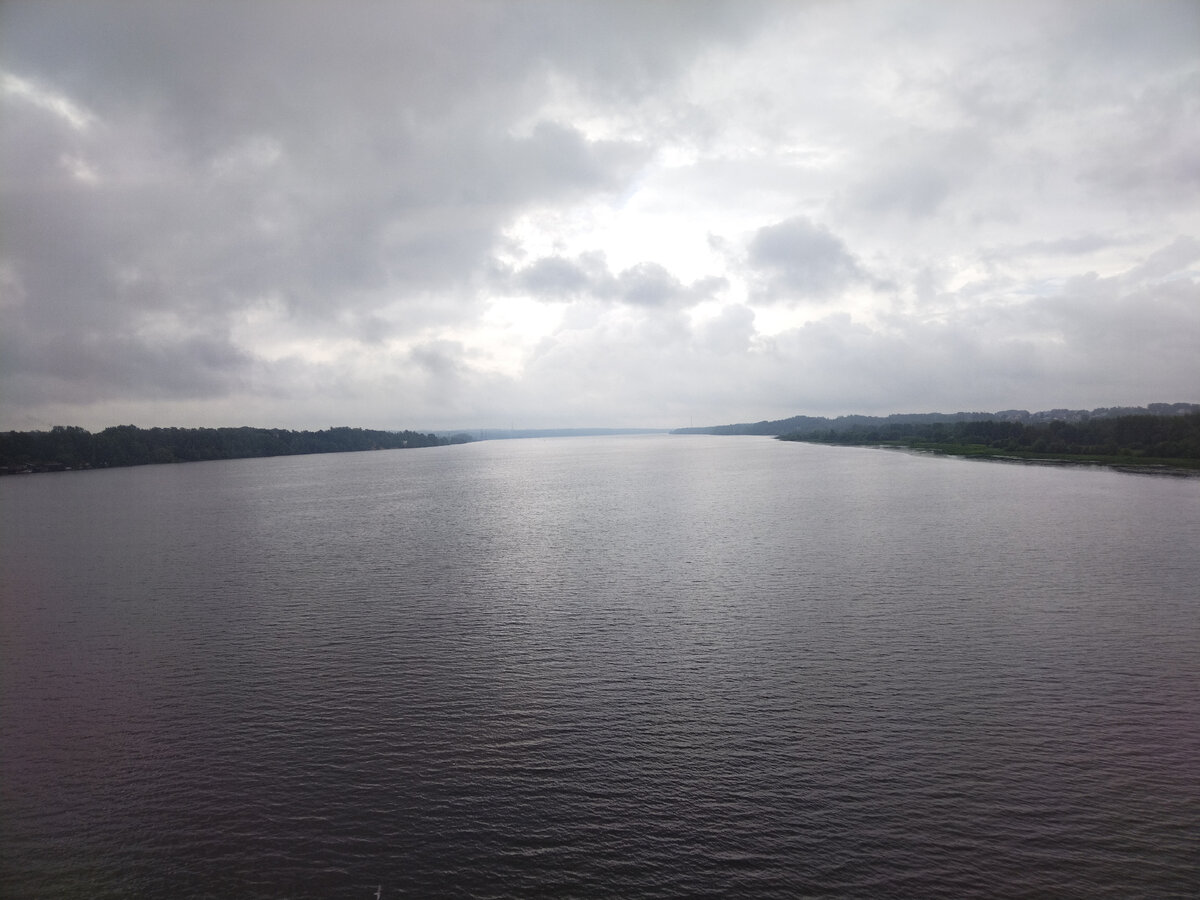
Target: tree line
1169,437
71,447
809,424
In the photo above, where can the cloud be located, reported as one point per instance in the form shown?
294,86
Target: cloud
915,190
211,217
645,284
1172,259
920,171
433,213
90,370
798,260
1074,245
730,333
559,278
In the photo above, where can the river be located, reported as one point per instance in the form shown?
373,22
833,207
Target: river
652,666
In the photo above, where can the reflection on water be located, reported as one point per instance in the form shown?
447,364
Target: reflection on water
619,666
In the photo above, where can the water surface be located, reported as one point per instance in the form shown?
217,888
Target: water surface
622,666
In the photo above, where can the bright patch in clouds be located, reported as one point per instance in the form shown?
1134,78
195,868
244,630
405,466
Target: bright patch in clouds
443,214
21,89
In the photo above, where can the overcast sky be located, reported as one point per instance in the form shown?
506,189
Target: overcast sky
555,214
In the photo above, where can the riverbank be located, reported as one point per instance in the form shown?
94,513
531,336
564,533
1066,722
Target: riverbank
1178,468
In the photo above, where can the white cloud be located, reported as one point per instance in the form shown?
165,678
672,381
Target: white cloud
46,98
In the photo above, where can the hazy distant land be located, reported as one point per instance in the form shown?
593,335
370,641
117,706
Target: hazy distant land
1141,442
1158,435
126,445
1162,435
810,424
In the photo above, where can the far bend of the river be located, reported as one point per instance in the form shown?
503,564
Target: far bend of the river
651,666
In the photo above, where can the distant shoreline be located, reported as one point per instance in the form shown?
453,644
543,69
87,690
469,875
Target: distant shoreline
1167,444
70,448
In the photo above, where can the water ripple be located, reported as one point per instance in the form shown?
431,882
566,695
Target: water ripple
618,667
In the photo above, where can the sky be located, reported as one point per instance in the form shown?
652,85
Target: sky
440,215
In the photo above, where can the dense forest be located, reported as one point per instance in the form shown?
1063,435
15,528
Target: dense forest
69,447
1163,439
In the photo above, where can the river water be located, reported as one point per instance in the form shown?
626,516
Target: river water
652,666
